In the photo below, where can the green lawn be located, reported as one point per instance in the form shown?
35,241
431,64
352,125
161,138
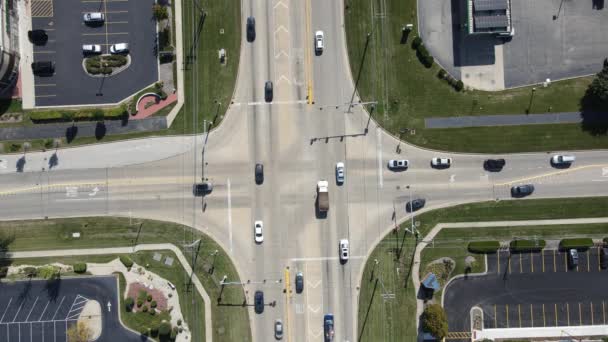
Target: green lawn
230,323
407,92
394,319
206,81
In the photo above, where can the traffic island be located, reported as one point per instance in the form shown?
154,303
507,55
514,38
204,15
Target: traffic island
106,65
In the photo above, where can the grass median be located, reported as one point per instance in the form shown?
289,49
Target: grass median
230,322
389,72
387,318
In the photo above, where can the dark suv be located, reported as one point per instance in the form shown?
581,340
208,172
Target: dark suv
415,204
494,165
37,37
250,29
299,282
259,173
43,68
258,302
522,190
268,92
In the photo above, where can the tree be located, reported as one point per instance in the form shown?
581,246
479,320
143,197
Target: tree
434,321
129,302
598,89
164,329
160,12
79,332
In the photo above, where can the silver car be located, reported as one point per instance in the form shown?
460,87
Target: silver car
94,17
119,48
340,172
91,48
278,329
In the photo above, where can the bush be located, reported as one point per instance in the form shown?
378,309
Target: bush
459,86
149,298
140,303
576,243
126,261
173,335
434,321
442,74
164,39
152,312
484,246
3,271
145,331
30,271
527,245
154,331
160,12
179,322
49,272
416,42
144,308
164,329
153,304
80,267
129,302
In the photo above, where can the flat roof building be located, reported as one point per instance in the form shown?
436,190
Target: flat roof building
489,16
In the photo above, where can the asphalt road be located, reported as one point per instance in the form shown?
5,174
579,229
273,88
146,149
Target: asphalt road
298,144
43,310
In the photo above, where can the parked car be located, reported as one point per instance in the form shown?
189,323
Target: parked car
340,173
398,164
562,160
328,327
89,49
319,42
202,189
343,250
603,257
439,162
522,190
299,282
250,29
415,204
573,258
94,17
258,231
259,173
38,37
43,68
268,91
258,302
494,165
278,329
119,48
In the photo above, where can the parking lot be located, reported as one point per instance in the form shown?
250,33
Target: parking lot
126,21
40,310
531,290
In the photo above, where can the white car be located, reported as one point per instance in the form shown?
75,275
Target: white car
91,48
319,41
93,17
340,172
394,164
559,159
258,231
344,249
441,162
119,48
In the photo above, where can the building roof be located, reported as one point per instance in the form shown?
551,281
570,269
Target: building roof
430,282
491,21
490,5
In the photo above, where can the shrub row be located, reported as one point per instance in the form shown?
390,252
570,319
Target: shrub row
484,246
115,113
576,243
422,53
126,261
104,64
80,267
527,245
456,84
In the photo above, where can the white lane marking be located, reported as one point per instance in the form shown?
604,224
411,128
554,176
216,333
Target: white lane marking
43,311
452,178
58,307
229,214
379,152
326,258
280,3
2,164
605,172
80,199
94,191
71,191
599,180
315,284
261,103
281,28
32,309
5,310
17,314
315,308
283,78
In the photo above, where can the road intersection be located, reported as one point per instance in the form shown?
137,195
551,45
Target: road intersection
299,144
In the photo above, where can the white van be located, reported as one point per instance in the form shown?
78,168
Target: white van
559,159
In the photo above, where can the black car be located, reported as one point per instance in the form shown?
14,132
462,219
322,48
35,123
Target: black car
268,92
604,257
202,189
299,282
250,29
494,165
38,37
43,68
258,302
415,204
522,190
259,173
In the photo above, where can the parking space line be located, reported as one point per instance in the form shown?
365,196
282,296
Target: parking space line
18,312
117,22
45,85
507,310
519,313
102,34
604,312
599,268
509,260
32,309
62,299
498,262
43,311
555,308
495,316
521,268
544,319
532,262
45,52
531,316
567,312
591,303
588,262
9,304
565,262
580,315
45,95
554,263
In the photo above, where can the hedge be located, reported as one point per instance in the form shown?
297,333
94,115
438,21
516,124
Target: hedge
164,329
129,302
527,245
576,243
80,267
484,246
126,261
115,113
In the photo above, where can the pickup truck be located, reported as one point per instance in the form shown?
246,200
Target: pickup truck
323,195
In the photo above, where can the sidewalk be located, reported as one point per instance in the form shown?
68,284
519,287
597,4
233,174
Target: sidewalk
123,250
488,224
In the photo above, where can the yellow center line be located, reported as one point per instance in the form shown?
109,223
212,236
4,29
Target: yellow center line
554,173
40,96
599,268
45,51
106,34
509,260
566,261
45,85
288,297
117,22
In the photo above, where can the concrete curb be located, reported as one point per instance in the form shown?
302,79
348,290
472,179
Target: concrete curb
179,54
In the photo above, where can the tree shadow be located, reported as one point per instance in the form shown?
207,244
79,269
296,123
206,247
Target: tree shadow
70,133
53,161
100,130
52,288
20,164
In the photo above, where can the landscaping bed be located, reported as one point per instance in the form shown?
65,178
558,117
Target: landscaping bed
105,64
